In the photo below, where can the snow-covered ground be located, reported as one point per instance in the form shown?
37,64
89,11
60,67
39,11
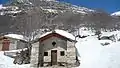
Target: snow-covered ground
91,53
7,62
94,55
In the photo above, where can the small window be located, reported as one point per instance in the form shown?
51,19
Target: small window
53,43
62,53
45,53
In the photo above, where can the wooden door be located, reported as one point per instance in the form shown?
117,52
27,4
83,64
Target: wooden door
53,57
6,44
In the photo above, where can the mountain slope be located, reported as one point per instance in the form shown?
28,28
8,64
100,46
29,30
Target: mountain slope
43,13
116,13
51,14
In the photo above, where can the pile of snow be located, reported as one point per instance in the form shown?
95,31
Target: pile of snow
16,36
7,62
116,13
94,55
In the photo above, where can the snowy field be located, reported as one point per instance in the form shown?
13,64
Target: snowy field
92,54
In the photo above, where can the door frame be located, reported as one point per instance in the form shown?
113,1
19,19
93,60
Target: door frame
53,53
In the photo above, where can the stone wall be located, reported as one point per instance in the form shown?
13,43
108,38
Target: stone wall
34,55
71,53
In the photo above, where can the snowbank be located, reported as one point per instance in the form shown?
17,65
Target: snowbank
7,62
94,55
89,50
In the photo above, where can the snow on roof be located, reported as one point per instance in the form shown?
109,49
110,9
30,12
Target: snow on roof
60,32
16,36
